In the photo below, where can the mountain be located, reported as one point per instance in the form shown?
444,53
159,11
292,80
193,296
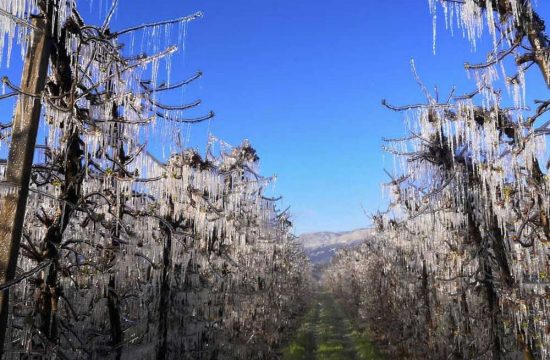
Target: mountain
321,246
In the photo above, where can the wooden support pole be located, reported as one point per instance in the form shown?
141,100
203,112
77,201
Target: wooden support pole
21,151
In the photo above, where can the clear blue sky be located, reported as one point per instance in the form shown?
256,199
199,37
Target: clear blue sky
303,81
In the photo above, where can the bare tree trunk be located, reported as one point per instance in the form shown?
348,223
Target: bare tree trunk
427,305
21,152
164,302
113,304
532,26
490,290
113,300
61,85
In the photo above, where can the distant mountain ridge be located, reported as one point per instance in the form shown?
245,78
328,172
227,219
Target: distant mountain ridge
320,247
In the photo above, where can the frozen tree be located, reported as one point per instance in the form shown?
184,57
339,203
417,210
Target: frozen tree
122,254
464,243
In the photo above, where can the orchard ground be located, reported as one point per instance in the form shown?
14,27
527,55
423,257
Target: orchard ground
327,333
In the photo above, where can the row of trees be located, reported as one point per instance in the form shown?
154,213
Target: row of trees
122,255
459,267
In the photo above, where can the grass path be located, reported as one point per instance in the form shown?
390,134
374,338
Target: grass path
328,334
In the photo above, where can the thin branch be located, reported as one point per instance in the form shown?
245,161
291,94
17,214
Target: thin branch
19,20
182,19
109,16
25,275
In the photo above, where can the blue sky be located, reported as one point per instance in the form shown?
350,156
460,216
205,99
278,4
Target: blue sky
303,81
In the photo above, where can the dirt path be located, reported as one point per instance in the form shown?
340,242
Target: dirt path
328,334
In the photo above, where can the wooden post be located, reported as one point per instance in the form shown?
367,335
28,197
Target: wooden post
25,126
